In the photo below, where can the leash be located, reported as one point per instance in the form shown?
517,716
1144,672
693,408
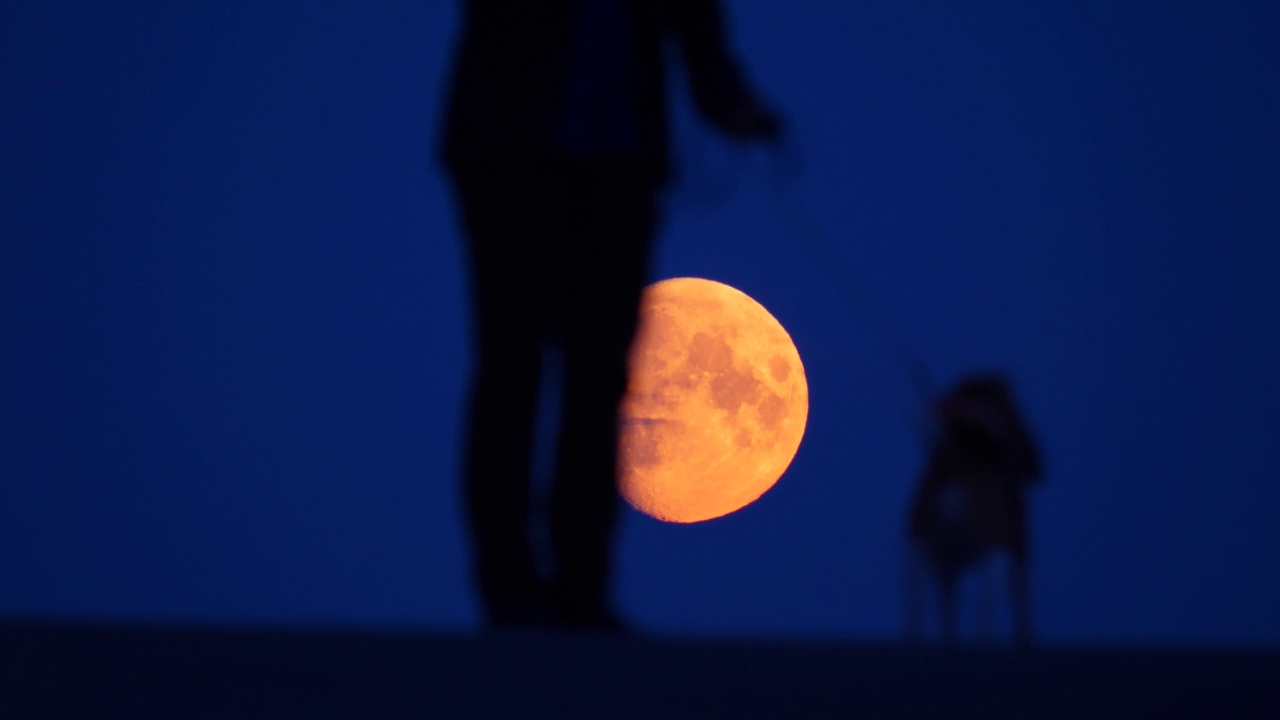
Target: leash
840,274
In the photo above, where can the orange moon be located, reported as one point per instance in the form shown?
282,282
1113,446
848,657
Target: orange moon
716,402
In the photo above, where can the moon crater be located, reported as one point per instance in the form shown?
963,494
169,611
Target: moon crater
716,405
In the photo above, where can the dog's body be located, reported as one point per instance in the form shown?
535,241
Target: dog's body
969,506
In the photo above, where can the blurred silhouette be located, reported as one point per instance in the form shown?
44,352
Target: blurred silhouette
969,506
556,142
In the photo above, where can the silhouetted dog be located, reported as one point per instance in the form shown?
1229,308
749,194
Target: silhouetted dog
969,506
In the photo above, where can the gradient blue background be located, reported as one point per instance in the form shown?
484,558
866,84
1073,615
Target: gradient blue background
233,311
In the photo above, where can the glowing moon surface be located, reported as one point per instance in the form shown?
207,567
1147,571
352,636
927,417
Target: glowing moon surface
716,402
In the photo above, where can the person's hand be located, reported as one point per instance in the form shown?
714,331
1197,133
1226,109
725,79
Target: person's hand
750,120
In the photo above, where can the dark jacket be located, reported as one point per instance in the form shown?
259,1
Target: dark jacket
512,69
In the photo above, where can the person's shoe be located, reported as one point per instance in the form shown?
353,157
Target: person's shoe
517,612
594,616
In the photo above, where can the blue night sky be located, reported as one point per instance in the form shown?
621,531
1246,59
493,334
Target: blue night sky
233,318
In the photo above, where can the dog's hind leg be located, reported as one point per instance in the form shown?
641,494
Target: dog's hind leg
992,574
914,589
947,605
1020,599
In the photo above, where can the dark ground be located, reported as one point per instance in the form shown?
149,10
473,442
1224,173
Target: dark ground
92,671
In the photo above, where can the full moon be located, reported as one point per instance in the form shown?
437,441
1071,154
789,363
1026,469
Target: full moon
716,403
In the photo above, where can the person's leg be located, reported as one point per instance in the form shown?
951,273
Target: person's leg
610,251
508,227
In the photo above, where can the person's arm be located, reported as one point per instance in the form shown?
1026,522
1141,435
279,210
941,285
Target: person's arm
720,91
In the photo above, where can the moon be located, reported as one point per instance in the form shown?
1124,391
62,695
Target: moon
716,402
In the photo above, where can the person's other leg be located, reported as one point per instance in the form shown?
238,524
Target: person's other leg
609,252
509,225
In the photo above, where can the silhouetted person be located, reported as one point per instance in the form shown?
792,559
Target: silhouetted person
556,142
970,502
